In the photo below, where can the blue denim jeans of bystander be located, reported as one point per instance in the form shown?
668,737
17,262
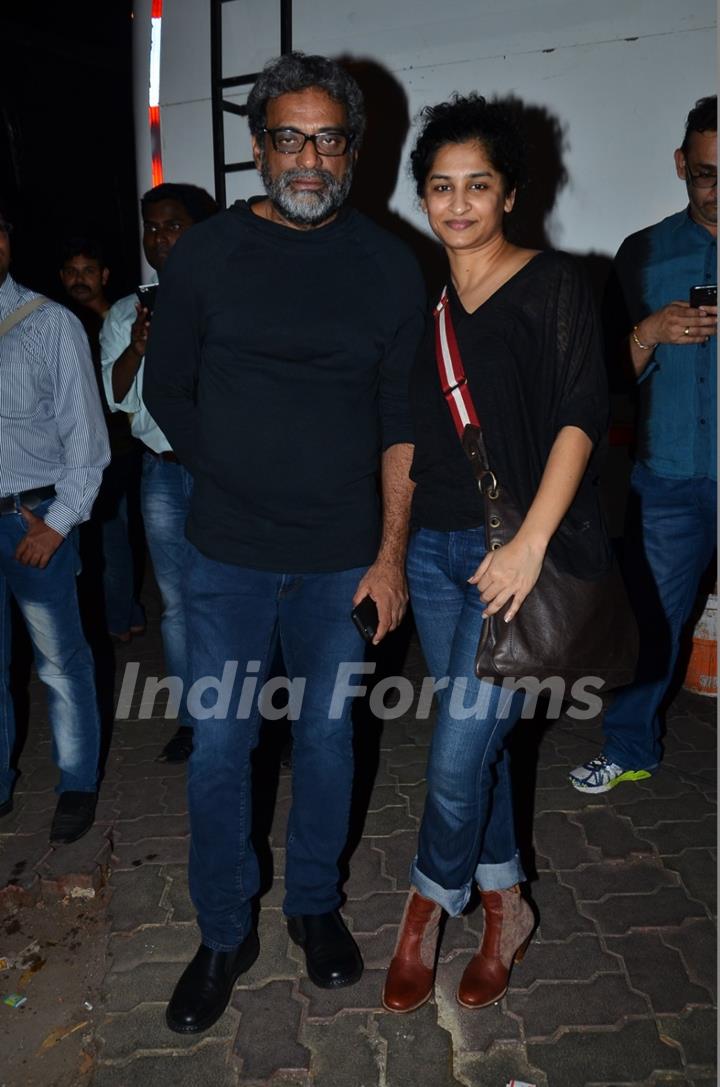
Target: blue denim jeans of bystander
47,600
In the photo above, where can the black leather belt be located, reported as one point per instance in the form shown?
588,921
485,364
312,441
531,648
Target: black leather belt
29,499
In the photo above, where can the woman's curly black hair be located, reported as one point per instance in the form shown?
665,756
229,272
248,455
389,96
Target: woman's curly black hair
462,119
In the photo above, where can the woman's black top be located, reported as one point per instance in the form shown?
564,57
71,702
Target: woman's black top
533,362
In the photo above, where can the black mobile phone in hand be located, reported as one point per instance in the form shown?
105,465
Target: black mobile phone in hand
365,617
705,294
146,293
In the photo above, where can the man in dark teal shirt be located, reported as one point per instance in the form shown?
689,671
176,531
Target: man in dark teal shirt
671,530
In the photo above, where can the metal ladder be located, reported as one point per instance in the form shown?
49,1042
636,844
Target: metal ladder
220,84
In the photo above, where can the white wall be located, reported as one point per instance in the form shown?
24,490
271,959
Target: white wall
619,76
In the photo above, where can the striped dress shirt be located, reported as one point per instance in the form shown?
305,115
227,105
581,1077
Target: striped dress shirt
51,421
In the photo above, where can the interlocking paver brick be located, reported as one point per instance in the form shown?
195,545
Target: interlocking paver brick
579,958
672,837
274,961
502,1064
418,1045
377,948
410,773
267,1037
147,982
473,1031
325,1003
81,866
344,1054
415,796
696,941
557,909
151,851
551,1005
398,851
658,971
611,833
209,1064
155,943
371,913
697,871
559,798
650,811
20,858
630,1055
366,873
384,796
150,826
388,821
176,896
143,1028
136,898
561,841
618,914
635,876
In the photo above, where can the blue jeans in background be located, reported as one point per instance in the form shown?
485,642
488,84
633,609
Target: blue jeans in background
236,614
468,827
670,537
47,600
165,495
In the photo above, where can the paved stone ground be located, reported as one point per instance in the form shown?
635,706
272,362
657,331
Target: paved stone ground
616,988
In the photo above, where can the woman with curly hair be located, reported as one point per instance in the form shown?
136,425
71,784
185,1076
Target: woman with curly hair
526,334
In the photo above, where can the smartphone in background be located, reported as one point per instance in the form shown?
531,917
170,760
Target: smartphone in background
705,294
365,617
146,293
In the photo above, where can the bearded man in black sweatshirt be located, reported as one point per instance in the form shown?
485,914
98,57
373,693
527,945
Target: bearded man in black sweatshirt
278,365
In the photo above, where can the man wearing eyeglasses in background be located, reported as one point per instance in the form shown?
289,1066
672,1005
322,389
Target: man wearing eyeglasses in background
278,367
168,211
53,448
670,533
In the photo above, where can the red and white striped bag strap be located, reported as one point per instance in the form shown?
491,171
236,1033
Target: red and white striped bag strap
453,380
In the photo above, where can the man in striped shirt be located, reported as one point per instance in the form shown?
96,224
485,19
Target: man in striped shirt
53,448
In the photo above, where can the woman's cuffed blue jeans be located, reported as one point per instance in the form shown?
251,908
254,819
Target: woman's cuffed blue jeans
235,617
467,829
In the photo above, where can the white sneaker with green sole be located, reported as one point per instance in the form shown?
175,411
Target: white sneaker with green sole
600,775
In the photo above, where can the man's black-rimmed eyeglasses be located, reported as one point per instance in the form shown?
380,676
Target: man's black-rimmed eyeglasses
290,141
705,180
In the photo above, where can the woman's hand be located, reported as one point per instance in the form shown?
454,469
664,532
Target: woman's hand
508,573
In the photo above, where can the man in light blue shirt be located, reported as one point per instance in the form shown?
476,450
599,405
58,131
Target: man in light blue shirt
53,448
671,527
168,211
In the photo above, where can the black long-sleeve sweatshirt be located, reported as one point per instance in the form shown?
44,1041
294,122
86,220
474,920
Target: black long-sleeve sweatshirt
278,368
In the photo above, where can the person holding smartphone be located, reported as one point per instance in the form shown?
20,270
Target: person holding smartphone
168,211
659,277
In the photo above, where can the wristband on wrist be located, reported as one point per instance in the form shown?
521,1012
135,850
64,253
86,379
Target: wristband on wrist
642,346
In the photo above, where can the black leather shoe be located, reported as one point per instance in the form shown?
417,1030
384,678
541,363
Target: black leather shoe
6,807
179,747
332,957
74,815
206,985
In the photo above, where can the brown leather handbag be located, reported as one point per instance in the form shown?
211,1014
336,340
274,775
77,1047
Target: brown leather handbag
567,626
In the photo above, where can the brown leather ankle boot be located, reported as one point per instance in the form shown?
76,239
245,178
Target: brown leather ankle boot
409,982
509,923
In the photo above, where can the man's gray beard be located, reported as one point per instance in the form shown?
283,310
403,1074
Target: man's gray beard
306,208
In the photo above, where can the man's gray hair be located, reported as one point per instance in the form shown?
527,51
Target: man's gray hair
297,72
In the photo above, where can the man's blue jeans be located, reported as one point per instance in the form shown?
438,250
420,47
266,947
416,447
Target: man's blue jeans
238,615
670,537
165,498
48,602
467,828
